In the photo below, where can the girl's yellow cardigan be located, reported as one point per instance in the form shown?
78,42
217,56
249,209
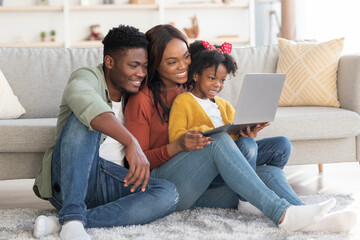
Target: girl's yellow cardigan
187,114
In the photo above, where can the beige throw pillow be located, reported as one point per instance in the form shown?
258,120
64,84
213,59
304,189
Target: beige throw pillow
10,106
310,72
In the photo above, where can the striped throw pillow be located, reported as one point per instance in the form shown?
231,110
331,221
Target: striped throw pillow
310,72
10,106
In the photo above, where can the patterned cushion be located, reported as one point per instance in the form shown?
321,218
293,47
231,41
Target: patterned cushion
310,72
10,106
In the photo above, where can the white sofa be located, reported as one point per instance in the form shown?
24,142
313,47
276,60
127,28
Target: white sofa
39,75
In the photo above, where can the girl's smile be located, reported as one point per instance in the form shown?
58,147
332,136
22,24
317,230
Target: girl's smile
209,83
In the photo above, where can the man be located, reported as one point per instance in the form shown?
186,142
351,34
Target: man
88,190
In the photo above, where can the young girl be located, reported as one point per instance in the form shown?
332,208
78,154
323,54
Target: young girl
200,109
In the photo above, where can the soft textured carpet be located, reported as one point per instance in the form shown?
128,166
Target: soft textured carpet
199,223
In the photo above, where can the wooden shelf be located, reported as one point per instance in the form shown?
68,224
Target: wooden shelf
162,8
34,44
84,44
231,40
115,7
206,5
32,9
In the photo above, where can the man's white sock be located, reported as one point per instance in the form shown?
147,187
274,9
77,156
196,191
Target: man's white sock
248,208
46,225
298,217
73,230
336,222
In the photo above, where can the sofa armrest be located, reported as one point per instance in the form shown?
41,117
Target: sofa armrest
348,82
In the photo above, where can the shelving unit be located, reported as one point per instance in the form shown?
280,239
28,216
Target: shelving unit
148,14
31,9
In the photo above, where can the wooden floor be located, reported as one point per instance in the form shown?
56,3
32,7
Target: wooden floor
342,178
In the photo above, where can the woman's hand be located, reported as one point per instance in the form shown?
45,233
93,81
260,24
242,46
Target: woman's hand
193,140
252,132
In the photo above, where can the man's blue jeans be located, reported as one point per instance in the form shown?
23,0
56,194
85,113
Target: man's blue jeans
196,177
90,189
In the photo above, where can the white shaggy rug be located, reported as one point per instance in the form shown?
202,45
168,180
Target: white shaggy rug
199,223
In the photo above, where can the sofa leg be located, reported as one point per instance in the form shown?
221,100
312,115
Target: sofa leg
320,166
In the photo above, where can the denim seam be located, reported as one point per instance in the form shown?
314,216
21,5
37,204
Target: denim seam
112,175
57,201
278,183
88,203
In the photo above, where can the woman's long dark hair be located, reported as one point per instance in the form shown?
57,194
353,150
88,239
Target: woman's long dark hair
158,37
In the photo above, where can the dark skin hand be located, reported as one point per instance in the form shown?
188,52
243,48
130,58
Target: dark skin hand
252,132
191,140
139,171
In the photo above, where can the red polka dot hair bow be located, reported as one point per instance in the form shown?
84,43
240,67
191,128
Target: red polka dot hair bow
225,47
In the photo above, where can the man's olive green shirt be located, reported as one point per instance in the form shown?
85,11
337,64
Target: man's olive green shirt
86,95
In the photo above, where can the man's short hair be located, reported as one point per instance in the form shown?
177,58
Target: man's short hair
123,38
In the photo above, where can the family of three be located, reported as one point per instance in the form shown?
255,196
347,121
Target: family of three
129,147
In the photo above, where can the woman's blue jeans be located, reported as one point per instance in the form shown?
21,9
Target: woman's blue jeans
265,154
196,177
90,189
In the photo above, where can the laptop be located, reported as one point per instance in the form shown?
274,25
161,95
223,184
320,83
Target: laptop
257,104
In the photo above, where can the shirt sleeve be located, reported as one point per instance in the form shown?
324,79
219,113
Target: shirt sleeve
83,96
138,112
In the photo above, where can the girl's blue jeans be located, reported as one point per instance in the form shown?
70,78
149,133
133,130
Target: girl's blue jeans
219,174
90,189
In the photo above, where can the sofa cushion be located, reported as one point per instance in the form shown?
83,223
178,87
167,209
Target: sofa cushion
10,107
40,75
310,72
307,123
27,135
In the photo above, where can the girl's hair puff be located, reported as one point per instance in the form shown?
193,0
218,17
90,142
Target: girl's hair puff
202,59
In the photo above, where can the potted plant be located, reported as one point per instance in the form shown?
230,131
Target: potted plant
52,34
43,36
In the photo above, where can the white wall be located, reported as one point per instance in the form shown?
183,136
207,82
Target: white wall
328,19
266,28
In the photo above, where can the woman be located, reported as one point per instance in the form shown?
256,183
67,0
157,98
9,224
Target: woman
208,172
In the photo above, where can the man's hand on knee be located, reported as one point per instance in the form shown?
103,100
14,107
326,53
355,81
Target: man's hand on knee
139,170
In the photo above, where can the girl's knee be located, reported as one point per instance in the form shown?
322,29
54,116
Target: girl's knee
284,144
248,147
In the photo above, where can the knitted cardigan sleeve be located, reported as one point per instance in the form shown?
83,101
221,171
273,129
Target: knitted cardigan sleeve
185,115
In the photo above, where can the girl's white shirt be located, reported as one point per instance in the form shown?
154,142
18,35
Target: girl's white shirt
211,109
111,149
